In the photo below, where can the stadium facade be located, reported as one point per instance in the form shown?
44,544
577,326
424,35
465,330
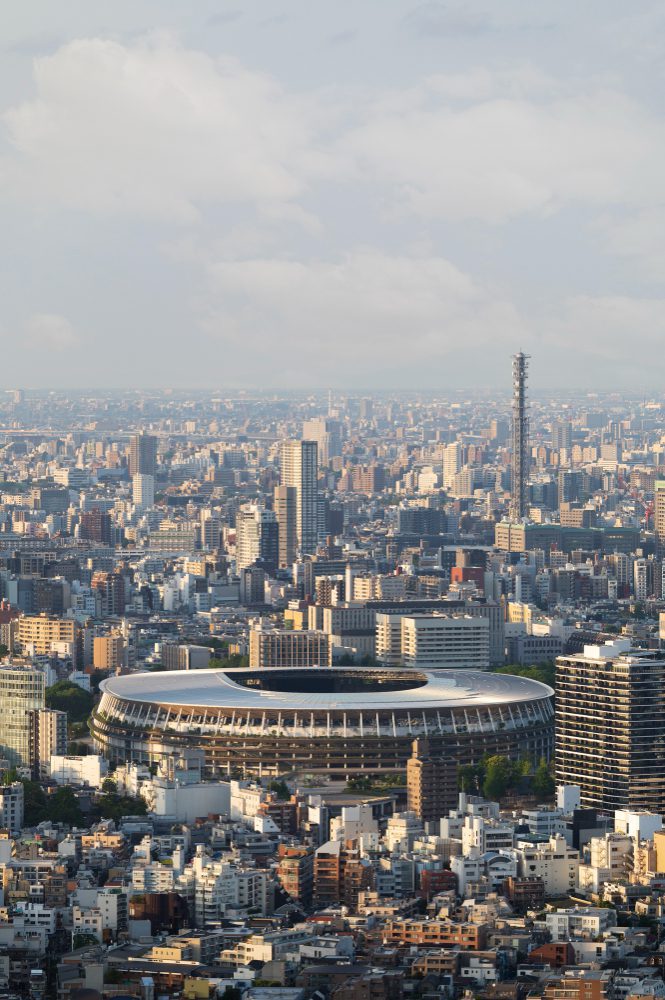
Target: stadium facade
339,721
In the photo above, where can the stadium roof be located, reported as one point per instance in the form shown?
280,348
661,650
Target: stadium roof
218,689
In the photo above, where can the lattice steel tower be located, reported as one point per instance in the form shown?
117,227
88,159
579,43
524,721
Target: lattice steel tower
520,477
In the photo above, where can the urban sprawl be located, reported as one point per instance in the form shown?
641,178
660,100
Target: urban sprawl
332,696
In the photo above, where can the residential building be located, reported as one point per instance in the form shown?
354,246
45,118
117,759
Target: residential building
610,717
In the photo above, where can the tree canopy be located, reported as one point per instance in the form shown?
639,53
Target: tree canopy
70,698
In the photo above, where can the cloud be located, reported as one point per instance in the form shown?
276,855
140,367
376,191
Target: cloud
501,157
296,319
155,130
152,129
51,332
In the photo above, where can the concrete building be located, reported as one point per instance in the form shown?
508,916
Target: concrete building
272,647
256,538
299,469
444,640
185,656
48,736
44,634
431,781
11,806
554,862
109,652
284,504
143,455
72,770
143,490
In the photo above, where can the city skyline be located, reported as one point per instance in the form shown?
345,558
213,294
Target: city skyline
365,196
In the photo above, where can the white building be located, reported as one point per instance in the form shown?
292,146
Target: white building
90,770
143,491
554,862
434,640
580,921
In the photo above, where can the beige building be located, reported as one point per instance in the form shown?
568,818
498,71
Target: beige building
286,648
47,635
108,652
49,737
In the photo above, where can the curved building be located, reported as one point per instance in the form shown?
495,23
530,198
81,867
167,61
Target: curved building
341,721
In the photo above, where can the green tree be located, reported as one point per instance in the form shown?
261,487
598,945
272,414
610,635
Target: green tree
543,672
70,698
543,782
63,807
114,806
34,802
281,790
499,775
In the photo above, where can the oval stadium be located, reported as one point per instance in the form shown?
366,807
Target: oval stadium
338,721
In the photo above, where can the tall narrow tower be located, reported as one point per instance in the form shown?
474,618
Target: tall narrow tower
520,479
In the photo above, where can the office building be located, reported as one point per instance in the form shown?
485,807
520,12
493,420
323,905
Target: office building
48,729
143,490
22,692
610,726
286,514
299,469
256,538
327,432
143,455
433,640
273,647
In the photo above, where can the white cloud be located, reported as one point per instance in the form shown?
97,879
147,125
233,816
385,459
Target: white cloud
504,156
312,320
154,129
51,332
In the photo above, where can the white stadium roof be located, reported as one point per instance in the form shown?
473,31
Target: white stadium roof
218,689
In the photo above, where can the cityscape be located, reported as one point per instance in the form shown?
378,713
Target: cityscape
278,693
332,500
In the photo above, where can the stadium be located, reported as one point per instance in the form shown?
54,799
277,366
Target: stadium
341,721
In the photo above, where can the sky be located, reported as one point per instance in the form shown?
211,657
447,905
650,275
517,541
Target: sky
365,194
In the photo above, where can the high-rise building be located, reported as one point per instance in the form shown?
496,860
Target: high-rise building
610,726
431,780
143,455
256,538
452,463
95,526
48,736
659,517
111,586
22,692
299,467
520,477
562,435
143,490
327,432
285,511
